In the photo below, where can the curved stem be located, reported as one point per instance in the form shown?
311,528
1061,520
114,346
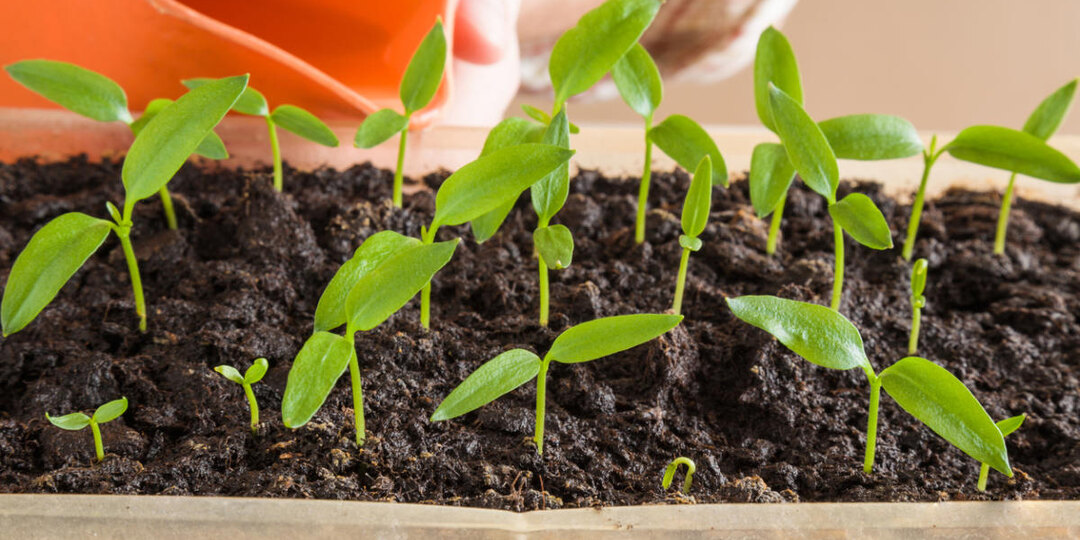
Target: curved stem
643,189
275,149
541,390
871,425
913,340
920,198
838,272
984,472
99,449
136,280
1003,217
680,283
357,396
167,206
398,177
774,226
254,406
543,291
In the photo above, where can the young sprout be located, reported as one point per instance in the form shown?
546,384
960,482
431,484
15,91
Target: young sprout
918,302
64,244
930,156
582,343
77,421
640,86
253,375
695,215
98,97
669,473
925,390
294,119
1006,426
418,86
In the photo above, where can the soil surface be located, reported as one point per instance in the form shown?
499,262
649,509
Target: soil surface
242,276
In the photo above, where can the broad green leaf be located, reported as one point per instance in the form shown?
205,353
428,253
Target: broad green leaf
251,101
638,81
685,141
550,192
70,422
555,245
510,132
690,242
74,88
490,181
807,148
938,399
173,134
230,373
1014,151
695,210
314,372
211,147
256,372
918,278
1009,425
771,175
495,378
300,122
330,312
609,335
378,127
869,137
110,411
816,333
860,217
774,63
1046,118
53,255
422,77
588,51
389,286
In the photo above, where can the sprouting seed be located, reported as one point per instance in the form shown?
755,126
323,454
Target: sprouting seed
669,473
918,302
253,375
77,421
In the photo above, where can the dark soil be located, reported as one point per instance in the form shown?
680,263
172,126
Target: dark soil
243,275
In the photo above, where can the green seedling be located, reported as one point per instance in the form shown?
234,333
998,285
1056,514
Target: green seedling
98,97
582,343
253,375
77,421
922,388
695,215
384,273
64,244
418,86
290,117
669,473
639,84
1006,426
918,302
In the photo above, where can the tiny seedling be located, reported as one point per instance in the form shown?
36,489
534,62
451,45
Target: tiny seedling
922,388
582,343
253,375
418,86
918,302
64,244
77,421
695,215
1006,426
290,117
669,473
639,84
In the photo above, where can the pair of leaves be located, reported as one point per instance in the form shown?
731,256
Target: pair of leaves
74,88
510,132
685,141
76,421
294,119
638,81
331,311
211,147
253,374
695,212
555,245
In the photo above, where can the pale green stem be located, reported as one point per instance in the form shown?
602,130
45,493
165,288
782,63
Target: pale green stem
774,226
984,472
425,293
133,270
643,189
541,390
1003,217
913,340
838,272
543,291
669,473
167,206
254,405
871,425
680,283
357,396
275,149
99,449
398,174
929,158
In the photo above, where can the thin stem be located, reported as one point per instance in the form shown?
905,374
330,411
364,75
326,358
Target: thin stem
913,340
99,449
398,178
427,237
838,272
541,390
643,189
543,291
276,150
680,282
167,206
774,226
133,269
357,396
984,472
929,157
254,405
1003,217
871,425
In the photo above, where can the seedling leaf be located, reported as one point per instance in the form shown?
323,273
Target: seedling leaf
378,127
555,244
695,213
638,81
550,192
690,242
71,422
1046,118
859,216
331,313
302,123
110,411
74,88
422,77
230,373
1015,151
495,378
807,148
536,114
771,175
609,335
211,146
386,288
317,367
510,132
869,137
256,372
774,63
250,102
685,141
1009,425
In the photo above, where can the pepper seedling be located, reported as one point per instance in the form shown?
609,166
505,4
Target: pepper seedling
385,272
98,97
77,421
418,86
290,117
639,83
553,244
922,388
1006,426
918,302
582,343
253,375
64,244
669,473
695,215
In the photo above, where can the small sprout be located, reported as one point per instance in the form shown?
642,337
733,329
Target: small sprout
1006,426
695,215
918,302
418,86
582,343
930,156
669,473
640,86
77,421
253,375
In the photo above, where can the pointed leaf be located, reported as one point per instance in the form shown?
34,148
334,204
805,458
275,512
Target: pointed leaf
211,147
918,278
510,132
638,81
314,372
1014,151
1046,118
422,77
685,141
495,378
771,175
774,63
555,245
300,122
110,411
536,114
230,373
695,211
331,313
609,335
860,217
250,102
256,372
807,148
550,192
1009,425
74,88
71,422
869,137
390,285
378,127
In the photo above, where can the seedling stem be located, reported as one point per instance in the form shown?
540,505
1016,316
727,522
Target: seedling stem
544,304
643,190
930,156
838,272
1003,217
541,391
774,226
123,230
680,285
669,473
871,423
357,397
99,449
398,175
275,149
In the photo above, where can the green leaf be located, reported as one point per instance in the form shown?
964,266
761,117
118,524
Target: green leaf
314,372
1046,118
1009,425
211,146
251,101
510,132
300,122
695,210
638,81
110,411
74,88
490,181
330,312
536,114
53,255
490,381
155,106
816,333
870,137
938,399
70,422
422,77
230,373
256,372
550,192
860,217
771,175
378,127
774,63
685,141
1014,151
173,134
389,286
555,245
918,278
609,335
807,148
586,52
690,242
